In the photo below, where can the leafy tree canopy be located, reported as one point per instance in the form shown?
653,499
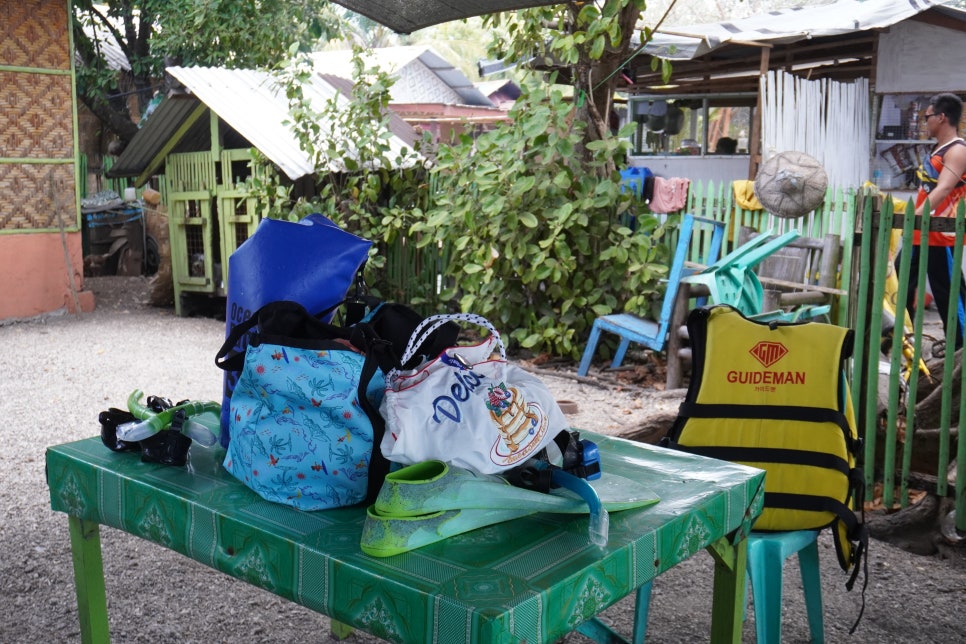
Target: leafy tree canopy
588,42
235,33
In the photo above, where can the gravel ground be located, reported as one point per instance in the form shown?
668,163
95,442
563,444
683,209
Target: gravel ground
59,372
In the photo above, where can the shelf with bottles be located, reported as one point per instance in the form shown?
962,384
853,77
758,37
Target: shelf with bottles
900,118
895,163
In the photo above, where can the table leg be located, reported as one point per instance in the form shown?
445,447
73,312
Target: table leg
85,546
641,608
597,631
339,631
727,610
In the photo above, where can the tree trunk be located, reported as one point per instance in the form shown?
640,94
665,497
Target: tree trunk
119,123
929,407
913,528
596,81
652,430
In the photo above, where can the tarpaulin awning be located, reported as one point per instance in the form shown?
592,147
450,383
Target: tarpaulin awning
407,16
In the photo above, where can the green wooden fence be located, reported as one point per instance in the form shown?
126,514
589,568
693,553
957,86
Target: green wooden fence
886,406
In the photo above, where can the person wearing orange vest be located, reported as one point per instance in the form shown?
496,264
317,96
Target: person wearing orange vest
942,179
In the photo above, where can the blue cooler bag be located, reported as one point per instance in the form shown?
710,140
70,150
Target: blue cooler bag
312,262
304,417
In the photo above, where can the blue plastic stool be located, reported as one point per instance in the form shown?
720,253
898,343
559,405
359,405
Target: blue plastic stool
767,552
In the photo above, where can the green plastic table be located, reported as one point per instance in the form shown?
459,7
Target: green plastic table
529,580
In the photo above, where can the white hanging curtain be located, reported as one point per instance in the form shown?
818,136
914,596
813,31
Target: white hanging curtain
825,119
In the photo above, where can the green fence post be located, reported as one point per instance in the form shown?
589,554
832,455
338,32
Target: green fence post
898,345
859,368
949,362
911,399
846,228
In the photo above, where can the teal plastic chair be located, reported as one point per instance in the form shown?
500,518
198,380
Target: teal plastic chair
732,279
653,333
767,552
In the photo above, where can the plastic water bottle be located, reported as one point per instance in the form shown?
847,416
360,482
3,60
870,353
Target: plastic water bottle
877,176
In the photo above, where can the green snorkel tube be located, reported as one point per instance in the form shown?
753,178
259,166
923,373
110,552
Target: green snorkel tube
152,422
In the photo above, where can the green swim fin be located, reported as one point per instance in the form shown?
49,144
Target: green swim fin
387,535
426,502
433,486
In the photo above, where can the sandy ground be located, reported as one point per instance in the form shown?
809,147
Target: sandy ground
58,373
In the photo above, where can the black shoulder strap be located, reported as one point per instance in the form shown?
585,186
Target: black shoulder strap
364,337
228,357
941,153
282,318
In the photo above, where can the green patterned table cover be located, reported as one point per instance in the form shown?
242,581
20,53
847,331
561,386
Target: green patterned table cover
532,579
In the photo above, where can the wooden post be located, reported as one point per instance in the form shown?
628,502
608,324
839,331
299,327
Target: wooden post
754,140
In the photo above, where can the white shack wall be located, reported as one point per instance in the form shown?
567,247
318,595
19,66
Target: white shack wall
914,57
719,169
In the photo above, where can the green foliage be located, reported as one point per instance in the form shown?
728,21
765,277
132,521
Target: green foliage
265,185
237,34
243,34
367,183
569,34
540,244
586,41
531,213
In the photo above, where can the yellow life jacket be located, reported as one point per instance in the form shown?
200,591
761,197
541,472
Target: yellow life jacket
774,396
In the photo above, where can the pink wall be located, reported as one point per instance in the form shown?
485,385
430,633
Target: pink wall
34,279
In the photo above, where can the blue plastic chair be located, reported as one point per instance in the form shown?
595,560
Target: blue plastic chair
653,333
767,552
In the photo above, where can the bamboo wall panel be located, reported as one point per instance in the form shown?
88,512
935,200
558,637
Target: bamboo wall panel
33,194
33,33
36,116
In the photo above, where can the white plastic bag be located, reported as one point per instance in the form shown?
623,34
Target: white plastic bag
467,407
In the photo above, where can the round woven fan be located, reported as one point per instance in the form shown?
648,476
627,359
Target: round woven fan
791,184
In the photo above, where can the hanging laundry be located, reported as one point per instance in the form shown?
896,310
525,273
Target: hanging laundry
745,195
670,195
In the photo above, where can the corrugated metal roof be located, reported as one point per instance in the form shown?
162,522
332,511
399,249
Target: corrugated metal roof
784,26
250,102
157,130
397,125
395,61
111,51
